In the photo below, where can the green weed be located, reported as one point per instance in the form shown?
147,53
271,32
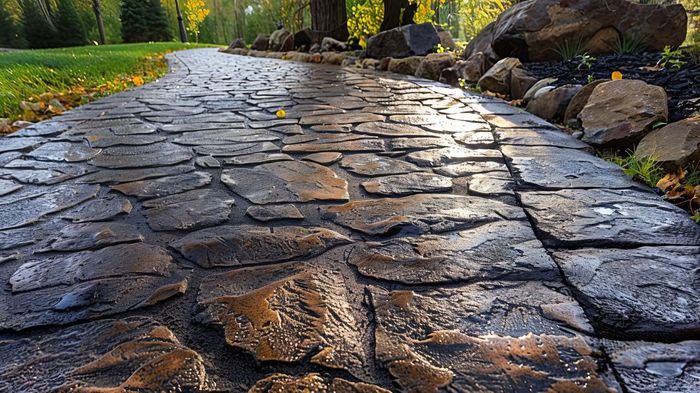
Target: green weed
646,169
629,44
570,49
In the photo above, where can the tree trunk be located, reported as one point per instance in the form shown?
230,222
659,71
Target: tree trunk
329,19
180,22
239,18
97,8
398,13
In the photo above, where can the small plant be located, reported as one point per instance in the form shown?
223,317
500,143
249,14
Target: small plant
462,82
590,79
440,49
585,60
646,169
629,44
671,57
570,49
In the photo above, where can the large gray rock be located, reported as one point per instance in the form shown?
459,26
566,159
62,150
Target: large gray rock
675,145
552,104
531,29
497,79
281,40
520,82
619,113
404,41
578,102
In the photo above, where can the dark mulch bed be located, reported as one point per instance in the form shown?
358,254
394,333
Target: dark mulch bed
682,86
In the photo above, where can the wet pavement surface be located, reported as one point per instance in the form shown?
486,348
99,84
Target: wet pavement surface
390,234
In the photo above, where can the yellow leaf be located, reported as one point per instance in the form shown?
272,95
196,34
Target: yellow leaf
281,114
616,75
137,80
671,180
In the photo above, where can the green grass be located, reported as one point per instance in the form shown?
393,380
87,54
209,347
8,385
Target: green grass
29,73
646,169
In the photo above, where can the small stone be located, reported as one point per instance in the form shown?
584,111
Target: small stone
324,158
407,184
274,212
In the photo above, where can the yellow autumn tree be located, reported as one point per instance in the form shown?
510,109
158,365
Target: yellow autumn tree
195,13
366,16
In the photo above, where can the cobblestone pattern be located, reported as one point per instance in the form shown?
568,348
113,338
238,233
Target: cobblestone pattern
390,234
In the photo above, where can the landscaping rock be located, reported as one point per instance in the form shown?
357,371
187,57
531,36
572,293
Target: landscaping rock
238,43
261,42
281,40
383,64
407,66
302,40
471,70
578,102
5,126
676,145
620,113
530,30
404,41
315,48
432,65
497,79
537,87
552,104
332,58
370,63
329,44
520,82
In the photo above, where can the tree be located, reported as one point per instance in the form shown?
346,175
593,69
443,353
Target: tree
97,9
9,33
398,13
329,19
157,22
37,29
71,31
144,21
195,13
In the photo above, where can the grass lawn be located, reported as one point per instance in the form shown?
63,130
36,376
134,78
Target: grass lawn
76,75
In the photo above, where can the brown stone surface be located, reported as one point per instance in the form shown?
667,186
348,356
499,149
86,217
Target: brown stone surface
249,245
374,165
466,256
111,355
189,210
164,186
252,305
407,184
282,383
274,212
442,339
419,214
324,158
293,181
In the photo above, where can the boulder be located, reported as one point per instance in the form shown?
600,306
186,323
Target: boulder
238,43
676,145
370,63
349,61
302,40
537,87
552,104
404,41
315,48
520,82
578,102
531,29
298,56
619,113
432,65
471,70
384,64
281,40
261,42
497,78
333,58
406,66
329,44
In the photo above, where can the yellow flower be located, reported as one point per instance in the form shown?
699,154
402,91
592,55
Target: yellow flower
616,75
281,114
137,80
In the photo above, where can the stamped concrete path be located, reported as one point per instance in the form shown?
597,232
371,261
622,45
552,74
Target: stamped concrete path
391,234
